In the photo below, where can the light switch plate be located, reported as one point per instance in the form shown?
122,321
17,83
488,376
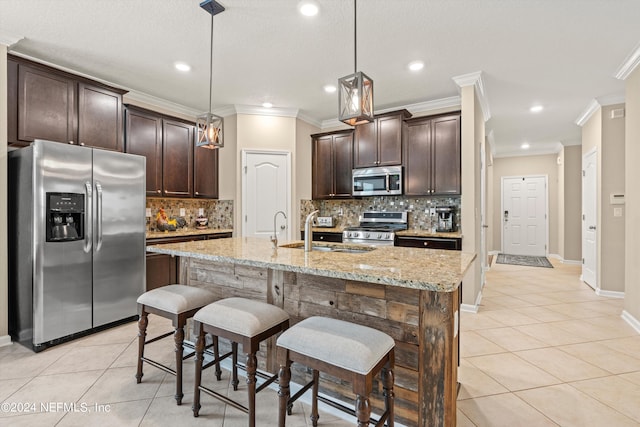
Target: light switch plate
617,211
182,212
147,212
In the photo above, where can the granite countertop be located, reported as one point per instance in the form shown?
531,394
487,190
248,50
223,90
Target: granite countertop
185,232
417,268
407,233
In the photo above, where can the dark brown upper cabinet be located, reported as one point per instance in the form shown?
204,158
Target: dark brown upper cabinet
379,143
46,103
144,137
205,173
332,162
432,156
177,158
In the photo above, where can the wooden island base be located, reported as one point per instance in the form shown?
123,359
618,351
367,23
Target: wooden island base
423,324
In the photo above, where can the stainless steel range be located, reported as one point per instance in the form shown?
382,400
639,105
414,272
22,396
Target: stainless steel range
376,228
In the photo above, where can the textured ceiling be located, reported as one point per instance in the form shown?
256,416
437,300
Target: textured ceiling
559,53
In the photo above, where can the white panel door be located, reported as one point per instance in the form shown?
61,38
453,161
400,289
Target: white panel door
524,215
266,190
589,220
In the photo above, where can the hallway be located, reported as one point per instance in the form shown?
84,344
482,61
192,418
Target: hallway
545,350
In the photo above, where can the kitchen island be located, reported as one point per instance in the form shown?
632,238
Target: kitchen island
411,294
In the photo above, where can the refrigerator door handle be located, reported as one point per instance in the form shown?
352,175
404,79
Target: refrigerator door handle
88,203
98,216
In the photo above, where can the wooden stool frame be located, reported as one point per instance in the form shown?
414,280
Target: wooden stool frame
362,385
250,345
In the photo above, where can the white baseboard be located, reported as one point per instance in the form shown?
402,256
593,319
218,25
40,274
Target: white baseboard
469,308
610,294
5,340
565,261
494,252
635,323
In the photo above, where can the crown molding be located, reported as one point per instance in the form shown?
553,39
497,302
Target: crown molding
629,64
419,107
145,98
475,79
595,104
261,111
306,118
9,39
549,148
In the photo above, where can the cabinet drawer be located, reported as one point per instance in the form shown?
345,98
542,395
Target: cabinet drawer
319,236
429,243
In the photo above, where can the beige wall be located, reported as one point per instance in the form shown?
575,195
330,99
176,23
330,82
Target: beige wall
561,207
632,196
227,162
525,166
472,140
572,203
302,178
607,137
4,297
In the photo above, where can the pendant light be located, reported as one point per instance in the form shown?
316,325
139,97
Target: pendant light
355,101
209,126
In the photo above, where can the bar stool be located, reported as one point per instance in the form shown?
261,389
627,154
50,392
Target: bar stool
243,321
342,349
175,302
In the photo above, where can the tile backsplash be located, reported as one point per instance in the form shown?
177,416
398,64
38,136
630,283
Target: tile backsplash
346,212
219,212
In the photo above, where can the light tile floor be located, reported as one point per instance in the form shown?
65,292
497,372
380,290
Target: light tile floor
543,350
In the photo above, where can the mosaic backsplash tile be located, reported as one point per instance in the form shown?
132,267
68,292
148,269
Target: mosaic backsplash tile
346,212
219,212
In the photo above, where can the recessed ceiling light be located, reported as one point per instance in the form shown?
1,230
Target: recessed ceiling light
330,88
536,108
308,8
267,104
525,146
181,66
416,65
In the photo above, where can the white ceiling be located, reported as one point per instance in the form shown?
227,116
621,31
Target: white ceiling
558,53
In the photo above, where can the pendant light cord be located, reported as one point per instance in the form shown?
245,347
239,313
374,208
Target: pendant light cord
211,67
355,37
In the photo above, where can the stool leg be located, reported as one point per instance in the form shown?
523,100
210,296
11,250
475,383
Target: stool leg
314,399
387,386
363,410
142,336
252,365
216,355
234,358
178,337
284,392
200,341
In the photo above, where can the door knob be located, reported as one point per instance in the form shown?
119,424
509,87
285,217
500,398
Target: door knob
592,227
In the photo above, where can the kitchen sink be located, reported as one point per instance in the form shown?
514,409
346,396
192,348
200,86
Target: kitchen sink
331,248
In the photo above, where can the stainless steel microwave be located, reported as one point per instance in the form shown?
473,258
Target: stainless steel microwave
381,181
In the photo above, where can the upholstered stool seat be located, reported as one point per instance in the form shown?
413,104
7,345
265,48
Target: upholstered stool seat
243,321
345,350
175,302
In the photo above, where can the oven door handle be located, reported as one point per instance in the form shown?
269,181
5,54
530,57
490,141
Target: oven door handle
387,182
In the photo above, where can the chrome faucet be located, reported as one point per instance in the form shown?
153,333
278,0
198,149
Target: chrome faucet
307,231
274,238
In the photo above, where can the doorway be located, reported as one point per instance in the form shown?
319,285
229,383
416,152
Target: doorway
589,219
524,215
266,189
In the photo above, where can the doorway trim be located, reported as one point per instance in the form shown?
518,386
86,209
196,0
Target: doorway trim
546,208
596,285
243,172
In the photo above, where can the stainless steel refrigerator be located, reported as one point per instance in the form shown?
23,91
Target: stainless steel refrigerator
77,240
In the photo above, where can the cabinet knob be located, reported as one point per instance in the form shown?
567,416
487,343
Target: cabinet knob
81,144
197,193
71,142
158,191
321,237
426,243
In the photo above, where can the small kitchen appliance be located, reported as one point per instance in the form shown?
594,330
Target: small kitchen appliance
376,228
446,219
379,181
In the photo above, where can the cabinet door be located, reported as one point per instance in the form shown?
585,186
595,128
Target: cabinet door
12,103
322,167
99,117
342,165
365,146
162,270
389,140
446,155
144,137
418,171
177,168
46,106
205,173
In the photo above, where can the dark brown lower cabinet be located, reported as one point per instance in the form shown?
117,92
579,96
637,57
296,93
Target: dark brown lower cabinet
164,269
324,236
450,243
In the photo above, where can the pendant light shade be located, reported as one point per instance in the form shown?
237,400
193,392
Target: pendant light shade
355,91
209,127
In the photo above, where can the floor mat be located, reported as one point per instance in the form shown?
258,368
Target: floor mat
530,261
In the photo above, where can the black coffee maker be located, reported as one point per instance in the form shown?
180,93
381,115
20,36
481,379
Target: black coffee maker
65,217
446,217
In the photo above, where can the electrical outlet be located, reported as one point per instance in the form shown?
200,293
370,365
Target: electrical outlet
200,211
182,212
147,213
